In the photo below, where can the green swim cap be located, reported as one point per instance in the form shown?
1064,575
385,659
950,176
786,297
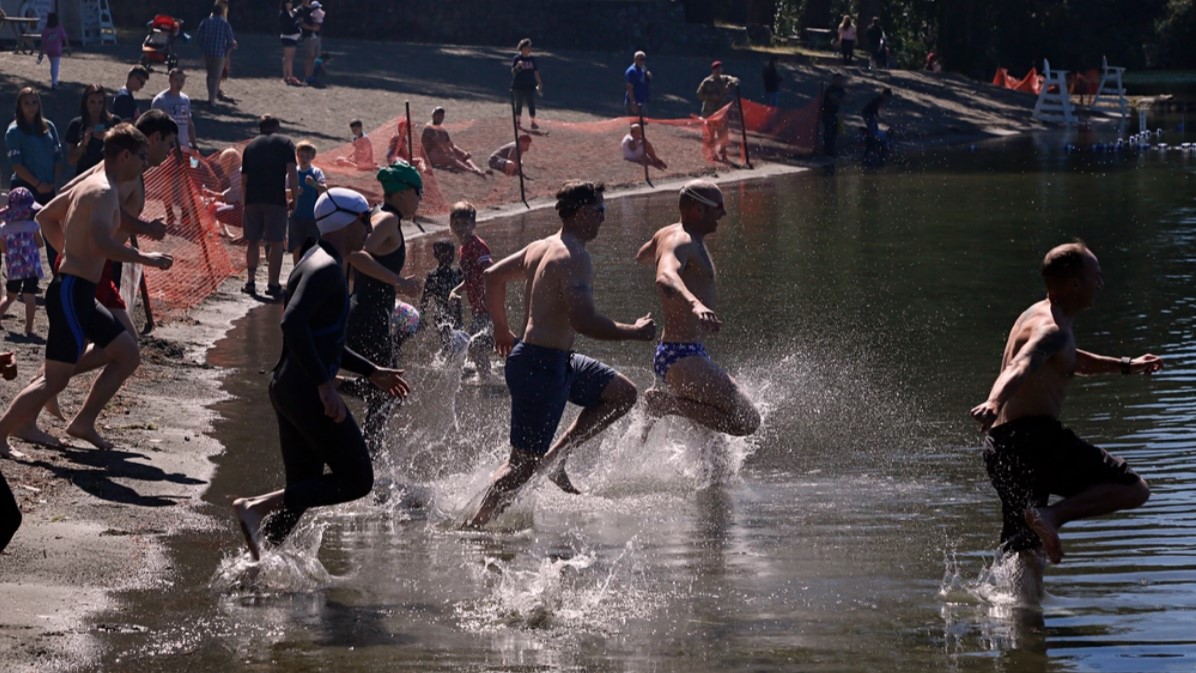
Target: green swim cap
399,176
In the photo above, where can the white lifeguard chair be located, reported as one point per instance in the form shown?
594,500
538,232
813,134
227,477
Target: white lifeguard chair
1054,106
1110,96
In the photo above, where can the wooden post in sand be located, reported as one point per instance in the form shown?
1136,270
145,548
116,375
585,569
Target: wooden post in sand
410,137
743,127
518,152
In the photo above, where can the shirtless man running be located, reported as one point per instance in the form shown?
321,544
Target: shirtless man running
542,372
161,134
688,383
75,316
1028,453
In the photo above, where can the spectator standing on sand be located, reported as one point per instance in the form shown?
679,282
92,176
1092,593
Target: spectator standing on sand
847,37
267,171
290,34
442,153
20,241
34,152
309,35
85,135
525,82
312,183
638,81
772,83
54,41
713,90
877,43
215,38
124,105
178,105
832,100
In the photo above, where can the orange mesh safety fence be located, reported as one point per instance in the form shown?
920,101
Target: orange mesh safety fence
1031,83
200,234
202,260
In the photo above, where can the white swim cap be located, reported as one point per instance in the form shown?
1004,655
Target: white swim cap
337,208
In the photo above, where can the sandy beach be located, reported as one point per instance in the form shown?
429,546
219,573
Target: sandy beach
95,521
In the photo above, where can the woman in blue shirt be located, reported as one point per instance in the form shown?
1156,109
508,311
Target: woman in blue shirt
34,152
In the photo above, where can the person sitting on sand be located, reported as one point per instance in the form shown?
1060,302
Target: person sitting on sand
637,150
509,157
442,153
315,427
688,382
397,149
1027,451
363,150
227,204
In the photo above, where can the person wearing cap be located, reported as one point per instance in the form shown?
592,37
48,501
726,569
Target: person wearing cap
688,383
637,80
542,372
442,153
75,316
377,276
21,242
316,430
713,90
268,174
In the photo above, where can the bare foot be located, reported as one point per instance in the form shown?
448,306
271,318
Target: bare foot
51,406
251,524
558,477
89,435
1047,532
35,435
7,451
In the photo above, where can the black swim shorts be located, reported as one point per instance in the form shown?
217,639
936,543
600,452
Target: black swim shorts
1031,458
76,318
541,380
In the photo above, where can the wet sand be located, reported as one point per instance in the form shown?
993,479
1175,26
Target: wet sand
95,521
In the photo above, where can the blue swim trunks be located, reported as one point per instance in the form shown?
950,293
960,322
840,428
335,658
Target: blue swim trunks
541,380
669,353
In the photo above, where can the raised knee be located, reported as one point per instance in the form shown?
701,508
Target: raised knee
745,423
621,393
361,485
1141,493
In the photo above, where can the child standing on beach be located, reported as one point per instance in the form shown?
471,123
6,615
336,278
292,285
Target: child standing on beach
312,182
54,41
21,242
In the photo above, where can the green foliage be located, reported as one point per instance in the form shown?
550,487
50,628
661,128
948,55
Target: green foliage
1176,30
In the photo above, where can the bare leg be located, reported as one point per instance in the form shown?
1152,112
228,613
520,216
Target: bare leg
617,399
8,300
250,513
23,410
274,263
1028,579
702,392
1097,500
504,486
252,256
30,312
124,360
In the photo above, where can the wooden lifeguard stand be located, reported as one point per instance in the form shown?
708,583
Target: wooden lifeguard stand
1110,96
1054,100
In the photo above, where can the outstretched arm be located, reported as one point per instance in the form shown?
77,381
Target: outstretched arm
1044,344
670,283
495,280
1091,363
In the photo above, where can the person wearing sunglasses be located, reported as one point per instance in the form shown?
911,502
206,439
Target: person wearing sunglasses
542,371
315,427
377,276
688,383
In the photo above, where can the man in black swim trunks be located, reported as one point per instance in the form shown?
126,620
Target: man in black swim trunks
543,372
1028,453
314,426
90,238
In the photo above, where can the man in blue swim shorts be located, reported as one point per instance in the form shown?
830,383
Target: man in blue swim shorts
542,371
688,383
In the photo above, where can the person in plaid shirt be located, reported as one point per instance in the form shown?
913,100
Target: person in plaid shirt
215,37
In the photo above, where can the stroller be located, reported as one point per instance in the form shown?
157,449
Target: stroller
158,46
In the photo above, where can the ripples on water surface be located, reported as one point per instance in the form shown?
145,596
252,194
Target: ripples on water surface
866,313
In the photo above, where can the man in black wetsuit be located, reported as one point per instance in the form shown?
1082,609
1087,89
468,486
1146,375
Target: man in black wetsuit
376,278
314,426
10,513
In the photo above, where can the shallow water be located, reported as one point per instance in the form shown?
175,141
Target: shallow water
865,312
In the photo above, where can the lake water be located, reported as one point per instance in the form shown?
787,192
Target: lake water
866,313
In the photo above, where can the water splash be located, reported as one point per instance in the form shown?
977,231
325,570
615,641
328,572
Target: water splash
292,567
